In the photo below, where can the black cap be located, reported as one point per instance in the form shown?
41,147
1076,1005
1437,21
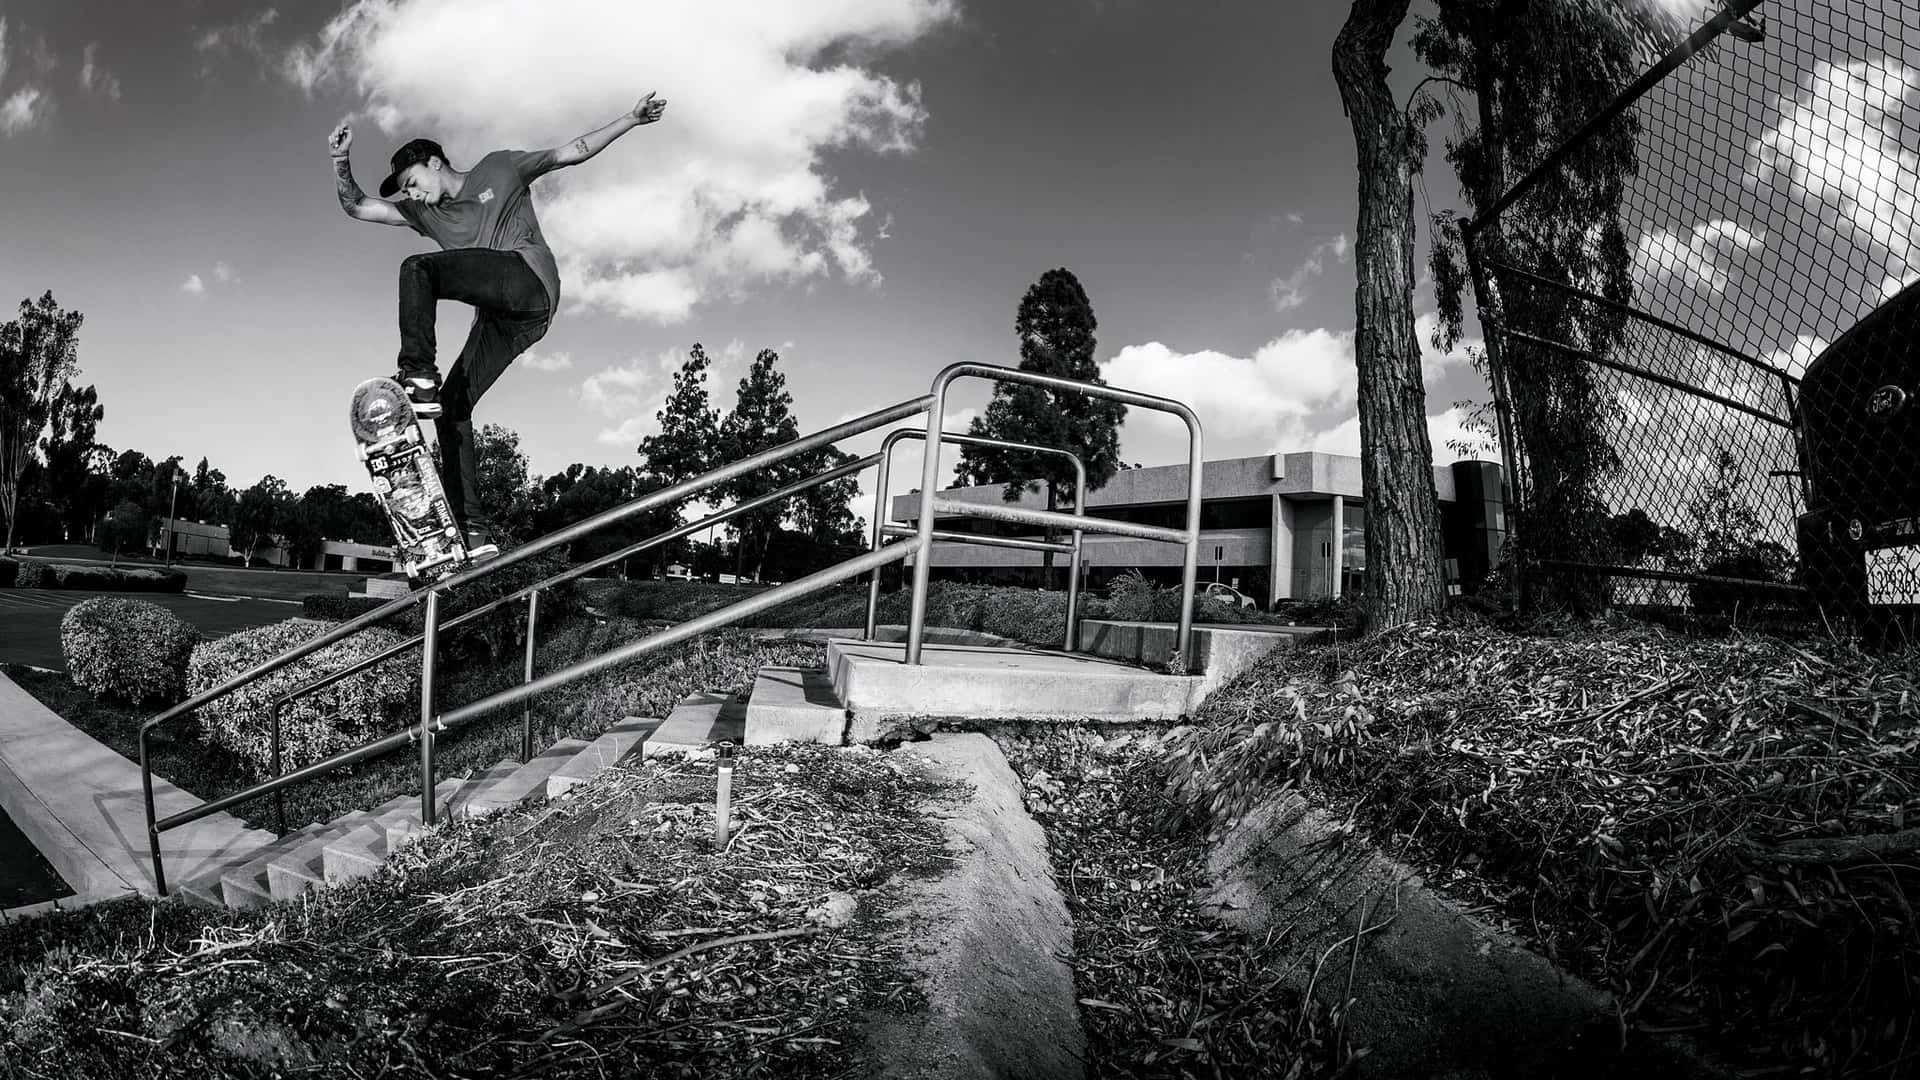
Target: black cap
413,153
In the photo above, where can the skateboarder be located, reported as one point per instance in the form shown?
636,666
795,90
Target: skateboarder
492,256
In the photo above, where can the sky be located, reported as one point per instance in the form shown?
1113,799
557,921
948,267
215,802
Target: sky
865,186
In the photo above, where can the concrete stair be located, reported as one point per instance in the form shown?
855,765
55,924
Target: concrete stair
699,721
792,704
356,845
523,783
975,682
619,742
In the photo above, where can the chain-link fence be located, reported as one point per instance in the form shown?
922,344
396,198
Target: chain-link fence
1707,386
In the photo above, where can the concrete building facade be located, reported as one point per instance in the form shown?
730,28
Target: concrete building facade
213,541
1276,527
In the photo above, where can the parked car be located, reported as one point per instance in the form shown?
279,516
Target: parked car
1226,594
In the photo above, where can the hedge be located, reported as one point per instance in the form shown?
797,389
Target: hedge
338,606
9,571
338,717
130,650
39,575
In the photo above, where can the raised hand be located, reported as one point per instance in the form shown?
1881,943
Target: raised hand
338,142
649,109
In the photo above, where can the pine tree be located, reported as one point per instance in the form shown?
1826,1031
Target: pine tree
762,418
1055,327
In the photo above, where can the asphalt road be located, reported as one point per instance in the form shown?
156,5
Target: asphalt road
30,619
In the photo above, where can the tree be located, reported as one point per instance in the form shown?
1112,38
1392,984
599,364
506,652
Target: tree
337,515
762,418
261,515
1055,327
213,500
126,525
38,356
68,450
1404,575
689,432
578,492
1536,72
504,483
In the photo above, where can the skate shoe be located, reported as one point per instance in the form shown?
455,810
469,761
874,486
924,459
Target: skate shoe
423,391
480,545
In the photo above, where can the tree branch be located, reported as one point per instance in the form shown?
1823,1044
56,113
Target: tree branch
1404,109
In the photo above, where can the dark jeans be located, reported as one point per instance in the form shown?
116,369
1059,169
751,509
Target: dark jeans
510,312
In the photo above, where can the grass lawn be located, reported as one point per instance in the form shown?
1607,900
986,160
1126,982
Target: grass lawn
217,579
649,686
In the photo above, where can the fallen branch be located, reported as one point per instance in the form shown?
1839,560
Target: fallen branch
1821,851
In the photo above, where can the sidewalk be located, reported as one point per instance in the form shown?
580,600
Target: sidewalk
80,803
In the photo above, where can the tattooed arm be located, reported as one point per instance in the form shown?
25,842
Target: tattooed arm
584,147
354,201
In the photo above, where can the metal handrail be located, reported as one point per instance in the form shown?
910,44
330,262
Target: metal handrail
532,595
930,478
882,513
430,595
432,722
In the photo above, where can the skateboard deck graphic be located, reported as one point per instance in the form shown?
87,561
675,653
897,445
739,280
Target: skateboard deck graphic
427,540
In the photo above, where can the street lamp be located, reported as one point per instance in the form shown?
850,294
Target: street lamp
172,502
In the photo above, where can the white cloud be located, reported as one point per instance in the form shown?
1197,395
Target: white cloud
3,47
194,285
1841,143
557,361
630,394
223,272
95,79
1282,398
1700,256
1290,292
1296,374
27,108
247,37
726,193
1294,218
1442,429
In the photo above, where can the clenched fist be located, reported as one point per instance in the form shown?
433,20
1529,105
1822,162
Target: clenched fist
338,142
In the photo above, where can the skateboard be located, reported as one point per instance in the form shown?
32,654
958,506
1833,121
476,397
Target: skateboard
426,538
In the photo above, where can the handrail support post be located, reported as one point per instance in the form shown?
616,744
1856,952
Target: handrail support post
428,649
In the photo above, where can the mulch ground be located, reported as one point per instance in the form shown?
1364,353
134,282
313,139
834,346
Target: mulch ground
1720,831
603,935
1165,991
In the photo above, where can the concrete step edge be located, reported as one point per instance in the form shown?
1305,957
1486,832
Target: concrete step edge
527,783
619,742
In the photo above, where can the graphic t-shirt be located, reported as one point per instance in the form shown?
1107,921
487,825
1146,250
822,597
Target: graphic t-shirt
493,210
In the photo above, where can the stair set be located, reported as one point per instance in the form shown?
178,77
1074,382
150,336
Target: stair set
865,693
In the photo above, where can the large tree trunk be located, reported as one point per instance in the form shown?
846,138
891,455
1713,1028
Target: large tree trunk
1404,570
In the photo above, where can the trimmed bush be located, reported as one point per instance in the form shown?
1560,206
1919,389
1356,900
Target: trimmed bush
32,575
338,606
338,717
9,570
129,650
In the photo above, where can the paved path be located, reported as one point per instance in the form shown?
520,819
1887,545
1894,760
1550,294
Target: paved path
30,618
80,803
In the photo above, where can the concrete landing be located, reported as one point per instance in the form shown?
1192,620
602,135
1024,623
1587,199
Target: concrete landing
873,680
1222,652
80,803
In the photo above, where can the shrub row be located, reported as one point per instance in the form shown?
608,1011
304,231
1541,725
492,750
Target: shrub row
9,571
337,606
40,575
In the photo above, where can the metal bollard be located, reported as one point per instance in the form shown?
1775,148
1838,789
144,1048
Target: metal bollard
722,811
